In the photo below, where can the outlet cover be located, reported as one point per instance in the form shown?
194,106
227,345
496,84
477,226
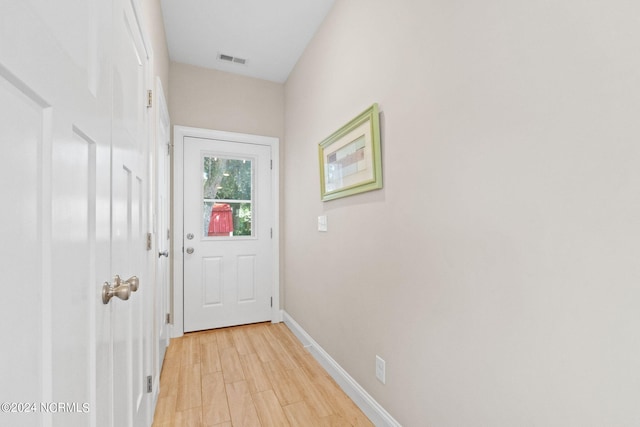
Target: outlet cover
380,370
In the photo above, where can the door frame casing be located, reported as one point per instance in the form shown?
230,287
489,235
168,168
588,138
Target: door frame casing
179,134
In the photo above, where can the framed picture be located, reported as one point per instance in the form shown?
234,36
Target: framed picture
350,157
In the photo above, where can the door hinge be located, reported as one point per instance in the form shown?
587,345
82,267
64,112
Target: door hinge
149,98
149,241
271,164
271,301
168,319
149,384
272,233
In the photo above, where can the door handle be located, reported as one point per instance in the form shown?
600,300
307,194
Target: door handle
189,251
119,288
163,253
134,282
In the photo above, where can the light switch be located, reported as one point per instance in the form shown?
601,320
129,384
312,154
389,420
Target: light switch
322,223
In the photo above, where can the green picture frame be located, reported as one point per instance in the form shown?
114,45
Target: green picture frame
350,159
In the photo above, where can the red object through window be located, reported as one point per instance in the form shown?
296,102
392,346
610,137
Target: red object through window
221,222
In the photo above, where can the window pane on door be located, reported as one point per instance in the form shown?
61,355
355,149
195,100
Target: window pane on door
227,196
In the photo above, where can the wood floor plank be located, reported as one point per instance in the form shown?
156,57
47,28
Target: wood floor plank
243,411
260,344
189,418
210,357
299,414
288,340
224,337
281,353
269,410
174,351
208,336
315,396
284,385
215,408
169,377
241,340
341,403
231,366
165,409
190,349
254,373
311,366
189,388
334,421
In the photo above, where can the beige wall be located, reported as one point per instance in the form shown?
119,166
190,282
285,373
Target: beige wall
218,100
497,271
154,25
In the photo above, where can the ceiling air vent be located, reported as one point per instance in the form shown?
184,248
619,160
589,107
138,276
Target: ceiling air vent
234,59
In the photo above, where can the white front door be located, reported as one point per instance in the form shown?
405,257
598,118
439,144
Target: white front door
67,357
228,255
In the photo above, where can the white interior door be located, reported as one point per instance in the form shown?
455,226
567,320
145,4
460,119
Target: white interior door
130,325
55,133
228,255
162,232
69,359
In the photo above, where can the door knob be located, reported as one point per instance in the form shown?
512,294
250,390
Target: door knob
163,253
189,251
119,288
133,282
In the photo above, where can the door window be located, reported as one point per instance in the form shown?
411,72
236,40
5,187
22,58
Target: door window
227,202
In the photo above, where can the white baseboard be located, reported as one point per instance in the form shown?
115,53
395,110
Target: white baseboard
372,409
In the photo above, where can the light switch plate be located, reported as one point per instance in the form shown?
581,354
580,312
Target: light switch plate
322,223
381,370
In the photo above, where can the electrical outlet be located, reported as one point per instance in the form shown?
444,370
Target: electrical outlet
380,369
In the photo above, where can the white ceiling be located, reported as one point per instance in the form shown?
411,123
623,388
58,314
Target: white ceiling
270,34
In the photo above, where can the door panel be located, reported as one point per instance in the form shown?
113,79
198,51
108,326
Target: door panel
227,199
74,249
246,265
212,280
55,173
26,246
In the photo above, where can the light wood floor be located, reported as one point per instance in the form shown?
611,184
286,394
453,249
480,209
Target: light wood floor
253,375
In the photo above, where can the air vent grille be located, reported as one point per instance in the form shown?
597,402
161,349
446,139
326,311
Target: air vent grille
233,59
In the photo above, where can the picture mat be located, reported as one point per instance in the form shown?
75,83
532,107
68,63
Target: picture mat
349,161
